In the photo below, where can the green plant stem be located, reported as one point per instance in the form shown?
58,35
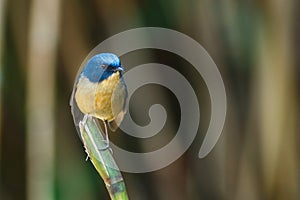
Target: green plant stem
103,160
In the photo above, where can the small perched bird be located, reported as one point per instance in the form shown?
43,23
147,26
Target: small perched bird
101,91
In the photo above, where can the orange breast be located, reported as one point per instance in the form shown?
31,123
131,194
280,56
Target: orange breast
110,97
103,100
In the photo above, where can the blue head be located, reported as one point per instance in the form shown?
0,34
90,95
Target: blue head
101,66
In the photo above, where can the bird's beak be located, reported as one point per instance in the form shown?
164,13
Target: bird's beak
120,69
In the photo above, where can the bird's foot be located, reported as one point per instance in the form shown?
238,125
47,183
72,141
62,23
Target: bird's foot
107,146
83,125
83,122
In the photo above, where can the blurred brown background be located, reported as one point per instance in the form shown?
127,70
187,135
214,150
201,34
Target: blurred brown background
255,44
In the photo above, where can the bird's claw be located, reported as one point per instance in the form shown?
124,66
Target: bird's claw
83,125
107,146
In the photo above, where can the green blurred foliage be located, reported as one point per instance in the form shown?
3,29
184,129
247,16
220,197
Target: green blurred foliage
255,46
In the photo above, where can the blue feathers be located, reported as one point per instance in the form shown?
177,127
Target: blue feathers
101,66
100,88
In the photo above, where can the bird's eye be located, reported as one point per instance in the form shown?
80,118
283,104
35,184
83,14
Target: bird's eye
103,67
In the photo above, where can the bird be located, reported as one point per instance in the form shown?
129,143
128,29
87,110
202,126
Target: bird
101,91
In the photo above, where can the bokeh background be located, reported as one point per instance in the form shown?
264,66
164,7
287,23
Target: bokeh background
255,44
